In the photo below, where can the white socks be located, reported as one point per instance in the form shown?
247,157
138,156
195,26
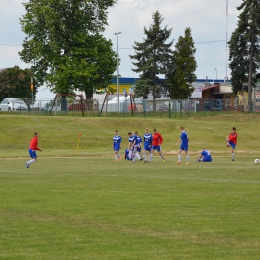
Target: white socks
31,161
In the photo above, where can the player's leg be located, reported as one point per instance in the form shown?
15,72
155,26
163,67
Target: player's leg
133,154
233,154
160,153
115,156
227,142
137,153
187,156
151,154
118,155
233,146
116,150
33,157
179,156
144,154
140,153
130,152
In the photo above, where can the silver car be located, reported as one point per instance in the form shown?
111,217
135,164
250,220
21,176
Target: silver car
13,104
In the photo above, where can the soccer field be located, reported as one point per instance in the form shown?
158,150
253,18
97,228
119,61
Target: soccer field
94,208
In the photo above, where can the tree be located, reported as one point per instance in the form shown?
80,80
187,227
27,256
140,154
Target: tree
152,55
244,49
15,83
65,46
181,67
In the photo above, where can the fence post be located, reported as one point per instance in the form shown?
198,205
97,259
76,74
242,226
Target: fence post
144,107
180,108
175,109
169,109
204,107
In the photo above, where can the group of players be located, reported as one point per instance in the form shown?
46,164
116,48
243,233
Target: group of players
133,152
154,142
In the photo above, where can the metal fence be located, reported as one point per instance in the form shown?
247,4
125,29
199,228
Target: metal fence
126,107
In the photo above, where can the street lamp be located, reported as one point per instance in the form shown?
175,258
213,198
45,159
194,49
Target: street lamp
117,79
216,73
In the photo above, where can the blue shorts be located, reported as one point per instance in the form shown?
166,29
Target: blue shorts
156,147
184,147
232,145
116,148
32,153
147,148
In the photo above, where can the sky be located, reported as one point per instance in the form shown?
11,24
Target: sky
210,26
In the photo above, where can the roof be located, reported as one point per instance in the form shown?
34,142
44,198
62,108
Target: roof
210,87
222,93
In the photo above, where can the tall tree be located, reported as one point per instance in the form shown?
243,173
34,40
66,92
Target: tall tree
181,67
244,48
151,57
15,83
65,46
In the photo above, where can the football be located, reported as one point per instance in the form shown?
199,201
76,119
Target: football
256,161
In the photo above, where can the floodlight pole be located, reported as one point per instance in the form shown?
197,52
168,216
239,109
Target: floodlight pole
117,74
216,73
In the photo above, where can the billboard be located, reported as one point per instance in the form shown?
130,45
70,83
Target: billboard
197,93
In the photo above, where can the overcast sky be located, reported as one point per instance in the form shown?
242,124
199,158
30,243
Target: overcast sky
206,18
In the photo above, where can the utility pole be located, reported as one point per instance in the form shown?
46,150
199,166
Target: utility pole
117,74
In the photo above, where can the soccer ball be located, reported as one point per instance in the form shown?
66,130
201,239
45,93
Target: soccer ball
256,161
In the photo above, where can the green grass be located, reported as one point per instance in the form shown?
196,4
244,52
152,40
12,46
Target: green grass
89,207
92,208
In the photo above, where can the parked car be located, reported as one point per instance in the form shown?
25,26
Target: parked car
13,104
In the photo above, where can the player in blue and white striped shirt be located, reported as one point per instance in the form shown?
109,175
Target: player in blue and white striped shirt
147,144
117,146
138,147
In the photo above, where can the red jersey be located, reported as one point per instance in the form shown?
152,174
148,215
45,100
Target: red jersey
157,139
233,137
34,144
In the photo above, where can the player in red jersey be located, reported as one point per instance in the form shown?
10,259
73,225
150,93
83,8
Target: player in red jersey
232,141
32,150
156,144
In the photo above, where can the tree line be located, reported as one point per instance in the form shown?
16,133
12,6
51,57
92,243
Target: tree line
66,50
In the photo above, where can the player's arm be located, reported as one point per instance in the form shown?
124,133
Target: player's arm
178,142
199,156
35,145
161,140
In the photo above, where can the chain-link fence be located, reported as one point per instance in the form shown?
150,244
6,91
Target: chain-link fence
121,107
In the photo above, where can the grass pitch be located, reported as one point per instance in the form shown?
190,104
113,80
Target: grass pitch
89,207
92,208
